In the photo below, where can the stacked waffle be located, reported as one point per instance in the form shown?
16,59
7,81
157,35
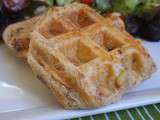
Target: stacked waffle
86,60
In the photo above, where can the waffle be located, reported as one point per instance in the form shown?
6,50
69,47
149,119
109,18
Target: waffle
16,36
84,60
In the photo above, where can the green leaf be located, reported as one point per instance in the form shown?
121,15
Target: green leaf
136,6
131,4
63,2
103,5
127,6
149,4
51,2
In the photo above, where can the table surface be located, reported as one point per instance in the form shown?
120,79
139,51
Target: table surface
149,112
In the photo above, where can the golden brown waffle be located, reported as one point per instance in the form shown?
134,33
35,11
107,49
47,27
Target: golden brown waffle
83,59
16,36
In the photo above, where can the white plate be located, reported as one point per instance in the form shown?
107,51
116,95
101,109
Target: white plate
24,97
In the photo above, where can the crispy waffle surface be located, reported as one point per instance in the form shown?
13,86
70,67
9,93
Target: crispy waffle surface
83,60
17,39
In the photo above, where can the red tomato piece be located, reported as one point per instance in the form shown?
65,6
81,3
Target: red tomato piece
89,2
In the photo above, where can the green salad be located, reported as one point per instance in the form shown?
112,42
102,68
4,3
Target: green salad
130,6
123,6
141,17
